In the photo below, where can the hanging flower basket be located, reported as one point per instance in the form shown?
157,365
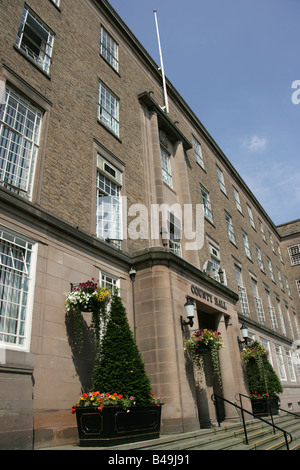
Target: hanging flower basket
202,341
86,297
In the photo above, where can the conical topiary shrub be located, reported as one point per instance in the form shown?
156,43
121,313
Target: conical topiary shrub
262,378
119,367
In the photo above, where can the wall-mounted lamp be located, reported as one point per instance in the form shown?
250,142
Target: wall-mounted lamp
190,313
132,273
244,331
221,276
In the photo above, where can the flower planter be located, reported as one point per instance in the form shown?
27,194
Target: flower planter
114,425
261,408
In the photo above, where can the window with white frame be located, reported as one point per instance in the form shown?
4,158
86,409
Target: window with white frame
20,125
237,200
35,40
259,257
270,269
250,216
110,282
166,167
109,49
215,261
294,252
230,229
198,152
290,365
280,279
258,302
175,233
17,274
109,202
272,242
280,254
266,344
221,180
242,291
246,244
288,287
272,312
289,320
262,231
108,109
206,203
298,285
280,362
296,323
281,317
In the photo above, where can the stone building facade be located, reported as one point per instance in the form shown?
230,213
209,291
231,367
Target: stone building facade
82,123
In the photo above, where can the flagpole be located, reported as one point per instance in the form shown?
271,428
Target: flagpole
166,107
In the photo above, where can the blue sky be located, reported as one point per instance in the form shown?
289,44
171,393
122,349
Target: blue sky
234,63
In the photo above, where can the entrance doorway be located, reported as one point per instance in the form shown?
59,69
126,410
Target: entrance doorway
207,382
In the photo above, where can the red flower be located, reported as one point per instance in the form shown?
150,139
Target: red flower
120,396
107,394
115,394
84,395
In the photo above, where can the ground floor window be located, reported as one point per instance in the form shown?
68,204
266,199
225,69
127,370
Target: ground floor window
17,263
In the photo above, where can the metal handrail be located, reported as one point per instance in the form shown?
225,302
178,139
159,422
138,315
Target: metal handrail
243,410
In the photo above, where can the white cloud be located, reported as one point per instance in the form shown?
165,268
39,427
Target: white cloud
255,143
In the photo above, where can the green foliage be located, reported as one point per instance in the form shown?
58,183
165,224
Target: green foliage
119,367
262,379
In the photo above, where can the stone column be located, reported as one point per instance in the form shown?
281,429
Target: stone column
227,372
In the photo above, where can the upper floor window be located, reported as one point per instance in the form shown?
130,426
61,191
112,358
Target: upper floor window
17,265
207,206
166,167
298,285
270,269
271,311
262,231
108,109
258,302
198,152
221,180
280,254
294,252
272,243
35,40
20,125
174,233
250,216
237,200
109,49
56,2
246,244
230,228
109,202
242,291
259,257
280,317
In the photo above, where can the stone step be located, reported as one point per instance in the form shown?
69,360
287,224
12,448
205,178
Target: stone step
229,436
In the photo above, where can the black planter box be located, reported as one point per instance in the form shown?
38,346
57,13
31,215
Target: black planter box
261,408
114,425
